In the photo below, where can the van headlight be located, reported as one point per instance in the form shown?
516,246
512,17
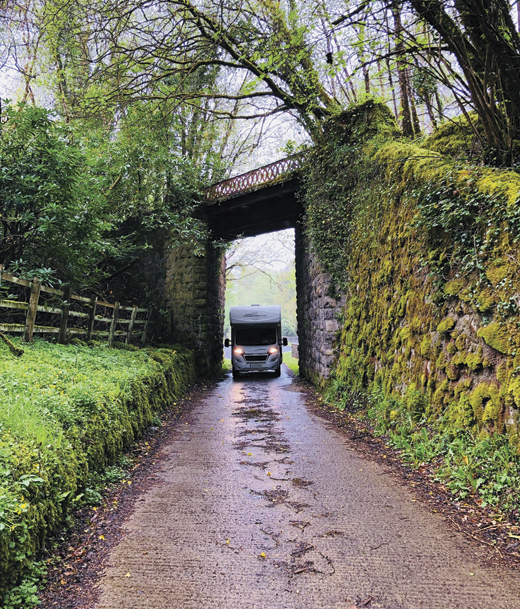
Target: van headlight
273,350
238,351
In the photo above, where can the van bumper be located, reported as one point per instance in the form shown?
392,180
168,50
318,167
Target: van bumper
241,363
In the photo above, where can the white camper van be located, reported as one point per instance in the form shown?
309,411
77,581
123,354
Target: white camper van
256,339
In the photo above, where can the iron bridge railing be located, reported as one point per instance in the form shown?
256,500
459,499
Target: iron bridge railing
268,174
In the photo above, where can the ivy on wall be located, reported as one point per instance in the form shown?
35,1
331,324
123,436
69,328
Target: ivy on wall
426,248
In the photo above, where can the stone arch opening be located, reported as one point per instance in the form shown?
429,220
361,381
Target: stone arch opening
195,286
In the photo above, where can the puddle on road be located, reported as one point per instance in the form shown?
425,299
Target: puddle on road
258,418
259,432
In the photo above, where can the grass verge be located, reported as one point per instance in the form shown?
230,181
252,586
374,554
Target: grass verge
485,470
291,362
66,413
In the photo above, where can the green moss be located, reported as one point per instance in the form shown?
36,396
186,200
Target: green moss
474,360
485,300
402,315
483,435
462,387
446,325
496,272
442,361
455,286
466,295
514,391
353,306
491,412
454,137
459,358
441,393
401,309
415,401
503,372
426,344
16,351
124,346
496,337
460,342
460,414
486,402
405,334
452,372
93,404
451,348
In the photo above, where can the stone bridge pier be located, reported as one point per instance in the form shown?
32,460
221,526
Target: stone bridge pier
195,285
195,297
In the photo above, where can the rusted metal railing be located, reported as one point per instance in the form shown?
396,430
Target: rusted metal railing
262,176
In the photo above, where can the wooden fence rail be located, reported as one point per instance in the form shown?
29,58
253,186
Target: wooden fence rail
136,320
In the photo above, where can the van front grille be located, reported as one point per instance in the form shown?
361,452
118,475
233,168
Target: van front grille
256,358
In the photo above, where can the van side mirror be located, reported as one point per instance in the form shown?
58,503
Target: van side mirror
226,343
284,341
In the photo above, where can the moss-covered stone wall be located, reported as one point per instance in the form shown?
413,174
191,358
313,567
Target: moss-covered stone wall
318,304
426,249
194,295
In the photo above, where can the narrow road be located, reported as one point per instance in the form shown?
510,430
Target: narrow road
263,505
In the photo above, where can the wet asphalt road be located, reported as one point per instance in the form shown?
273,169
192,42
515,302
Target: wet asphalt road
261,504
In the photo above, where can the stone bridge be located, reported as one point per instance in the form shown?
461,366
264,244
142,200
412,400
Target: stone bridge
257,202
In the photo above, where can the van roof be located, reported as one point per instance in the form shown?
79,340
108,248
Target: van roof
255,315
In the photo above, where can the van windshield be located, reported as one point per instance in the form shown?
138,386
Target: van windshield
255,336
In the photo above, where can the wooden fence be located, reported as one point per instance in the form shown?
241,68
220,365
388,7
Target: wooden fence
115,320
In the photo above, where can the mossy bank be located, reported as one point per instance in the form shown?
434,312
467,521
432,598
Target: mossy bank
425,246
66,412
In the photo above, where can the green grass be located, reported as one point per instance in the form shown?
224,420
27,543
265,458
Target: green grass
66,413
485,469
291,362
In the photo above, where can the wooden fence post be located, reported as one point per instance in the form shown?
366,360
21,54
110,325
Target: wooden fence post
128,336
92,318
64,315
32,310
147,323
1,271
113,324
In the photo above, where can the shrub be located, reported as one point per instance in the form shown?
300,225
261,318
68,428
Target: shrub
66,412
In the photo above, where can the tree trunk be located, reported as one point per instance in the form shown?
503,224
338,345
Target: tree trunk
406,117
485,41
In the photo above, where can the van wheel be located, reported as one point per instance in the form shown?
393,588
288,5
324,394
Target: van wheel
277,372
236,374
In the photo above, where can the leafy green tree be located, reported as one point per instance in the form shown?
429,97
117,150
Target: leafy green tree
483,37
261,48
85,203
49,214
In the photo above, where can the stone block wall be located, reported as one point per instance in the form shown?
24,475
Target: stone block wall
194,297
318,306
